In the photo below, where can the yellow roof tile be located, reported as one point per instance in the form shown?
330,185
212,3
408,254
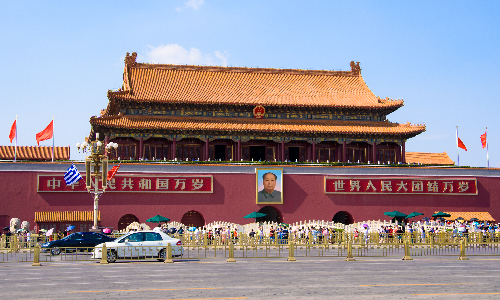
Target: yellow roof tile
247,86
428,158
481,216
257,125
34,152
65,216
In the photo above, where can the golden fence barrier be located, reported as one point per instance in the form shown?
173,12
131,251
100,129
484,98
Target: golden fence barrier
36,257
168,258
104,255
231,254
339,244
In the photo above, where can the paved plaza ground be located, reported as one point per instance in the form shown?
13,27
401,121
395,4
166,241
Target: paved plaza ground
307,278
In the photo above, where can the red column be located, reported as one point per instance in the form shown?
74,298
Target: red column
207,156
174,149
398,154
403,152
282,150
141,146
374,152
238,151
344,151
314,151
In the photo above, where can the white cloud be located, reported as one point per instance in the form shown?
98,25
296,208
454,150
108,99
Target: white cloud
175,54
194,4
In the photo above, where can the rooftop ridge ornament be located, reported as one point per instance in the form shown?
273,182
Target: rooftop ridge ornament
130,60
355,68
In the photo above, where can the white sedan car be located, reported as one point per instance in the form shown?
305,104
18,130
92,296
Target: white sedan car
140,244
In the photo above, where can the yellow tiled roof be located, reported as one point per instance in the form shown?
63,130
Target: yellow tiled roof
258,125
428,158
247,86
34,152
481,216
65,216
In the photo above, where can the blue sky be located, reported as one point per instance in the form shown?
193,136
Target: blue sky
59,58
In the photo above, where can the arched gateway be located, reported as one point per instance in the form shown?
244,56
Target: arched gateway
126,220
343,217
272,215
193,218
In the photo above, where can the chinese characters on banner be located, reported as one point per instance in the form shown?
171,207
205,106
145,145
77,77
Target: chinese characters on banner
402,185
134,183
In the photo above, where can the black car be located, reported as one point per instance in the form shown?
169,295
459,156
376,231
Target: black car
76,240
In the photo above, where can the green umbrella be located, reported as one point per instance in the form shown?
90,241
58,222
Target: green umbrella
414,214
395,214
441,214
157,219
254,215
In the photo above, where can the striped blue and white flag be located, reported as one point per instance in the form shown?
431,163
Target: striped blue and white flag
72,175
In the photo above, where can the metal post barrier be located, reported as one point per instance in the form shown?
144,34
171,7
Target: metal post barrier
349,252
104,255
13,243
291,252
407,251
36,256
168,259
462,251
231,253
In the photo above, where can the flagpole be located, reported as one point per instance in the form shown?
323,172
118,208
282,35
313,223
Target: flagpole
52,138
487,154
15,145
458,155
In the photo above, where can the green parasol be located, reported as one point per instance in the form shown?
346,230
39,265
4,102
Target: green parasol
254,215
157,219
395,214
414,214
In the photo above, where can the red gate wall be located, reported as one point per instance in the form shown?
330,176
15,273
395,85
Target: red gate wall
234,196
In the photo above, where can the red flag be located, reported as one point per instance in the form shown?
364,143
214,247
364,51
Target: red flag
461,144
12,134
483,140
46,133
112,172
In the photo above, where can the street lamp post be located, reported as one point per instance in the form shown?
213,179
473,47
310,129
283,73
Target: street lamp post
96,169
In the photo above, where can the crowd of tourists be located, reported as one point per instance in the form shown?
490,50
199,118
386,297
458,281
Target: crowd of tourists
420,231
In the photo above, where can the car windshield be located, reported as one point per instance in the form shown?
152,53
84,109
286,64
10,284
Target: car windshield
73,236
131,237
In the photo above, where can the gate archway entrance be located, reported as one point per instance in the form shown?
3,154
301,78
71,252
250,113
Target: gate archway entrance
193,219
343,217
126,220
272,215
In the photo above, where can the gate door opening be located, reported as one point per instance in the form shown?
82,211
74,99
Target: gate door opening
126,220
272,215
343,217
258,153
193,219
220,152
293,153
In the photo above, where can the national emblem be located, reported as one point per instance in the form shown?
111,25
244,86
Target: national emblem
259,112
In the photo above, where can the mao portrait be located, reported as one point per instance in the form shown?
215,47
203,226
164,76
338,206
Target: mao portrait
269,185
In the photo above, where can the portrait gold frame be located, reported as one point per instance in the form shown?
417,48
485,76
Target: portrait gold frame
258,178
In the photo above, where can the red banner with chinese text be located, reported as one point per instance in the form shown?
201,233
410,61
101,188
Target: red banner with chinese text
134,183
401,185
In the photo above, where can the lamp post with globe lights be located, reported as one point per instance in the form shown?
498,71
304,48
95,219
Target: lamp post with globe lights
96,169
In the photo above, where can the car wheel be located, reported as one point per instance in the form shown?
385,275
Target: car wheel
55,250
112,256
162,255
